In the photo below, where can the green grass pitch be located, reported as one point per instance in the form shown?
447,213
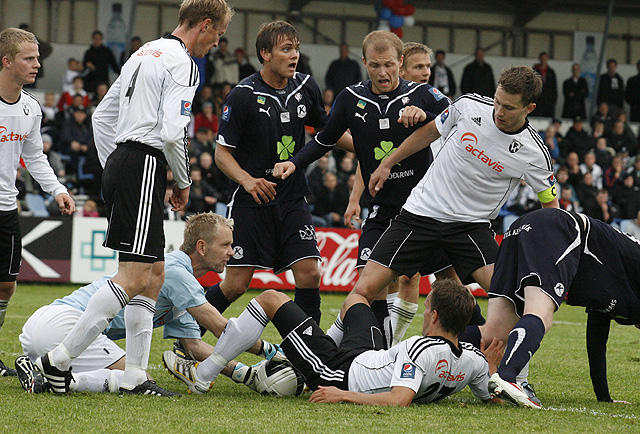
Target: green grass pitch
559,372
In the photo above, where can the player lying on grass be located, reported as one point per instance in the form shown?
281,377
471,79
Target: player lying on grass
206,247
420,369
546,256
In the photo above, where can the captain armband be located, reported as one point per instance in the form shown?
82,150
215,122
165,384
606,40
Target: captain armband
548,195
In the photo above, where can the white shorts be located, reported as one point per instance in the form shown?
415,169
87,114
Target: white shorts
49,325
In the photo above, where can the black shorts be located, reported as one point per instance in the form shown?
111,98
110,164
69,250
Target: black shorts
273,237
414,244
134,182
539,249
10,246
315,355
374,226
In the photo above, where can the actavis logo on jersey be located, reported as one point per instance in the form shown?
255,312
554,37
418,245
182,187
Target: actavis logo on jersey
471,145
8,136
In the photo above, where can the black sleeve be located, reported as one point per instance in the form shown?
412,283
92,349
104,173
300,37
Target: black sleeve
598,325
317,115
436,103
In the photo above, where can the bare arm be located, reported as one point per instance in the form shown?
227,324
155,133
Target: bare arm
398,396
346,143
417,141
259,188
353,208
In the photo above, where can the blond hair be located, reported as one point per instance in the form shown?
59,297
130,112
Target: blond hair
202,226
411,48
193,12
381,41
10,41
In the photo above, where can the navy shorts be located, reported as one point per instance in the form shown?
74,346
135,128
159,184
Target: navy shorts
374,226
10,246
315,355
415,243
134,182
539,249
273,237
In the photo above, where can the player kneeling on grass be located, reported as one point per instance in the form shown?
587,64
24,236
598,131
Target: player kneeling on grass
420,369
206,247
546,256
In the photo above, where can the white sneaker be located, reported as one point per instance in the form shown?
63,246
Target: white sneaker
512,393
185,370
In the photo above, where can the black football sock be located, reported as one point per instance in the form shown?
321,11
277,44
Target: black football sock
471,335
308,299
216,297
476,317
524,340
381,312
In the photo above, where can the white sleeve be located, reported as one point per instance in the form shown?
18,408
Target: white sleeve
408,372
479,385
447,119
37,163
180,87
105,122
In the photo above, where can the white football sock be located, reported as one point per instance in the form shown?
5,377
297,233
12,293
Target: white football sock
390,299
100,380
523,375
3,311
103,305
336,331
238,336
401,313
138,320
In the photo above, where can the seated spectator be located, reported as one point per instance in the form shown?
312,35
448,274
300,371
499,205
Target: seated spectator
627,197
66,99
577,139
566,201
573,169
622,139
55,160
49,110
331,201
605,209
549,137
635,171
587,194
346,168
101,91
75,68
206,118
202,142
614,175
603,115
604,153
597,130
317,170
202,196
76,138
213,176
90,209
590,165
205,94
563,183
76,103
631,227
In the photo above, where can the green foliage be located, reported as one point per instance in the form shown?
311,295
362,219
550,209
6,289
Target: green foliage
559,372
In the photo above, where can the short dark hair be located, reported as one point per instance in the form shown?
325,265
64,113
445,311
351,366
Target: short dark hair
440,52
96,32
271,33
612,60
454,304
523,81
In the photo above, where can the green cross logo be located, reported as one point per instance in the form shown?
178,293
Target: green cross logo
385,149
286,147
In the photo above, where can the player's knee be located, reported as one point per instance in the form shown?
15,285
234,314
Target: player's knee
7,289
271,300
308,277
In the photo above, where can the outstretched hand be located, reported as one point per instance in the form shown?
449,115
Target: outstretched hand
283,169
260,189
66,204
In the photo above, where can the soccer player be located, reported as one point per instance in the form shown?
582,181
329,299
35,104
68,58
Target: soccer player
262,122
380,113
420,369
548,256
20,118
181,302
139,127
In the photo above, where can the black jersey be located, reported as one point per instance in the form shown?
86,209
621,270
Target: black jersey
266,125
373,122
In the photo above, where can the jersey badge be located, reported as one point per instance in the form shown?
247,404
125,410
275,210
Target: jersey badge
436,93
308,233
408,371
361,116
185,108
308,331
25,109
515,146
361,104
405,100
442,364
226,112
262,110
298,97
285,117
261,100
238,252
384,124
444,116
552,180
382,152
477,121
285,147
559,289
365,253
302,110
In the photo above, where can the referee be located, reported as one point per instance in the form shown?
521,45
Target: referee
140,127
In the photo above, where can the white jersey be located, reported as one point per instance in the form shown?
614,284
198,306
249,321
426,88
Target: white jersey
150,103
478,165
20,136
430,366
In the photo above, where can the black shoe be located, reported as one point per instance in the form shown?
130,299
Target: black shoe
148,388
59,381
6,371
30,379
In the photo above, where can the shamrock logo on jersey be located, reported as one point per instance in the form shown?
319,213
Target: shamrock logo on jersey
385,149
285,147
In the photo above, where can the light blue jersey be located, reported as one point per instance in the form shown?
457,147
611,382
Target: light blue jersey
179,292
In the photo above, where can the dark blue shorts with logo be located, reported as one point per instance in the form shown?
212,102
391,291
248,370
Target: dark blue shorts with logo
273,237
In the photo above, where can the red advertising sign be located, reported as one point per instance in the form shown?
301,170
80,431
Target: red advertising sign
339,251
